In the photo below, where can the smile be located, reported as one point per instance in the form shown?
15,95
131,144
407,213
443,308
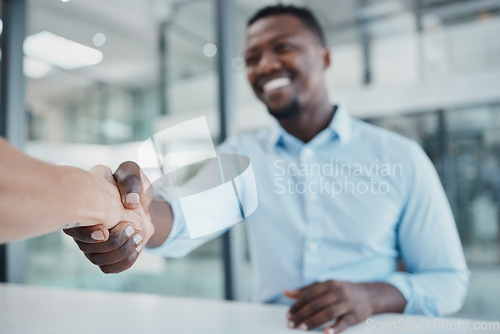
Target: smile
275,84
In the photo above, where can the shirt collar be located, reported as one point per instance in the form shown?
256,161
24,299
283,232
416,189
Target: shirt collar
340,126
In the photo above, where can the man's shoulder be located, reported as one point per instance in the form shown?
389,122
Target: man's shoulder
374,135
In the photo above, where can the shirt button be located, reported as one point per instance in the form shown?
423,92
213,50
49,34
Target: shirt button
308,153
313,247
314,197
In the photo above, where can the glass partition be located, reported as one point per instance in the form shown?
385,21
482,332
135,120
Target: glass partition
464,145
100,110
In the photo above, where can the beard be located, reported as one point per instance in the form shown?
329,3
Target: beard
291,110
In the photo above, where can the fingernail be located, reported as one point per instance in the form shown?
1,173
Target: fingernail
137,238
133,198
97,235
303,327
138,249
129,231
330,331
291,324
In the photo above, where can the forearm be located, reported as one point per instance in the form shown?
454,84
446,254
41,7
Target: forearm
37,198
385,298
162,219
437,292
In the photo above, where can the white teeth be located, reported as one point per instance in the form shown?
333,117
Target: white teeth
276,83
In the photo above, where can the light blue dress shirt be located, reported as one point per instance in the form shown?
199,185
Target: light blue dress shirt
345,206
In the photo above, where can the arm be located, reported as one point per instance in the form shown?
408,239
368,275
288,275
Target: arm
170,237
436,281
437,278
37,197
163,234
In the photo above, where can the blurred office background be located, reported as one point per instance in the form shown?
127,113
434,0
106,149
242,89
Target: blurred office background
428,69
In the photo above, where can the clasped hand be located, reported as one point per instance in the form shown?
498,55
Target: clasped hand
115,250
342,303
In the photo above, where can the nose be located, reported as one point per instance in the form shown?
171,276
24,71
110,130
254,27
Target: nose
269,62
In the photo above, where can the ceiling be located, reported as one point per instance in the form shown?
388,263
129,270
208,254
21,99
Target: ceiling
131,28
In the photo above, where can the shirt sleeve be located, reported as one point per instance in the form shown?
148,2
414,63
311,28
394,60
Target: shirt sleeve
436,280
179,243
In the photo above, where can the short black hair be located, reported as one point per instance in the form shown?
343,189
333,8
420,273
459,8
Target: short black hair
302,13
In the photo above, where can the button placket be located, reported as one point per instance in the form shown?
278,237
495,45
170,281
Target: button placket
312,261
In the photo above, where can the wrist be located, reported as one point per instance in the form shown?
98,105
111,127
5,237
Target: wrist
371,297
383,298
161,218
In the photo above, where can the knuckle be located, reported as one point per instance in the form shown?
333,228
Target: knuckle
311,308
114,243
104,168
82,246
132,258
128,164
330,313
93,259
124,252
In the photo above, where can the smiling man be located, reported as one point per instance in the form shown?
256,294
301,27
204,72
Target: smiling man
328,244
285,59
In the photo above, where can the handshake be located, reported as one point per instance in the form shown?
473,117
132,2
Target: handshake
115,244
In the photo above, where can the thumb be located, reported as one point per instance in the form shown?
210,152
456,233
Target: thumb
129,182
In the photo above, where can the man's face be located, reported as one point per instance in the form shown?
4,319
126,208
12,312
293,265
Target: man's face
285,63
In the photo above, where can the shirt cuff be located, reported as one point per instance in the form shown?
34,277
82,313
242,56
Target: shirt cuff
417,301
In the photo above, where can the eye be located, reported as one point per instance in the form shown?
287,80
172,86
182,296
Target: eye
251,60
284,47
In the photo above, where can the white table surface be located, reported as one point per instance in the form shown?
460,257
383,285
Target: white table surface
37,310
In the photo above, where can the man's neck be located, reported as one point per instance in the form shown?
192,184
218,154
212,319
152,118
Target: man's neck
309,122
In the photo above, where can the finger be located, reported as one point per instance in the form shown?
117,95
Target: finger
118,235
122,265
310,309
105,259
325,315
307,294
341,324
103,171
293,294
129,182
89,234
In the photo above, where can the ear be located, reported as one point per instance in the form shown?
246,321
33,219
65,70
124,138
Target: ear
326,57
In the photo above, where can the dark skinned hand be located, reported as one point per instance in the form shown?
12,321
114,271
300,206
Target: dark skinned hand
343,303
117,249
